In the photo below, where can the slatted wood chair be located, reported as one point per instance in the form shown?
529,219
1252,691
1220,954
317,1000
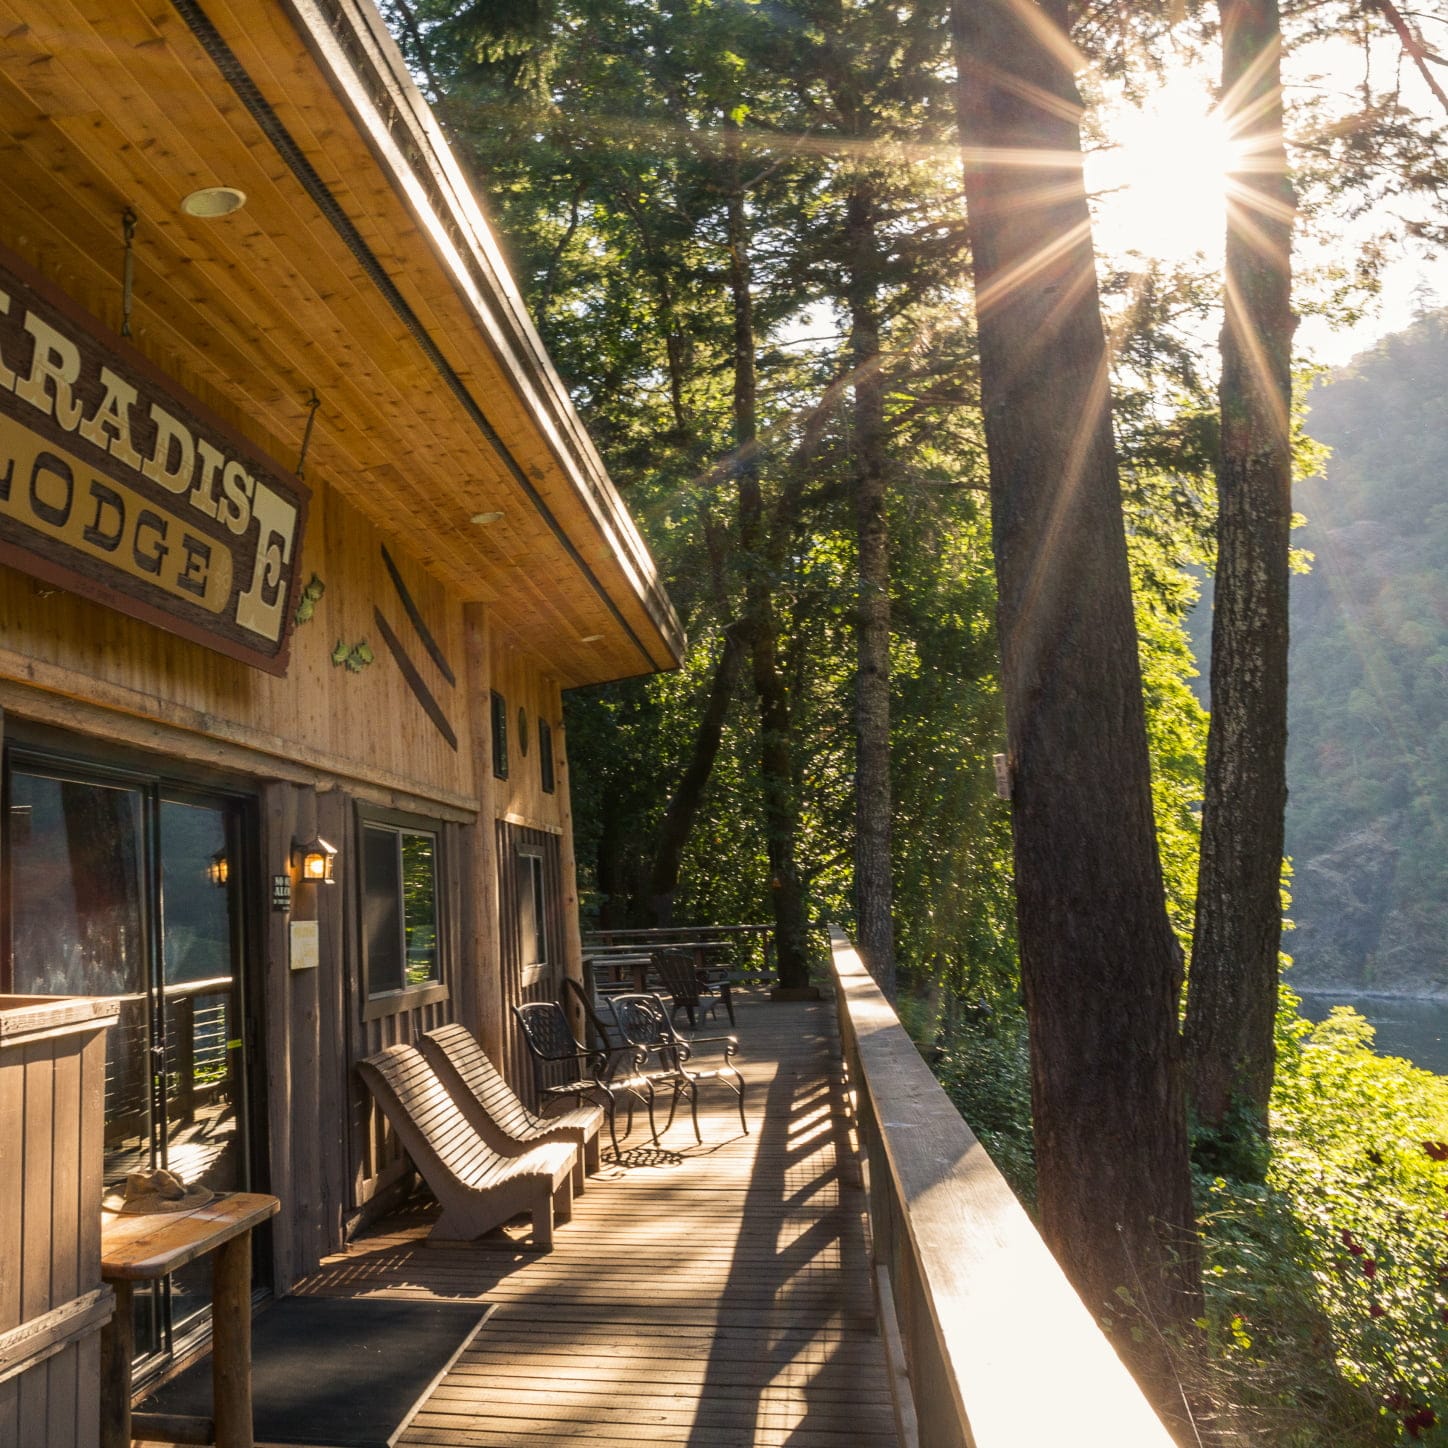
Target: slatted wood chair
477,1188
493,1108
589,1074
688,990
643,1020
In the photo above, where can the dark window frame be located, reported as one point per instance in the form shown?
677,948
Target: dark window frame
546,774
393,1000
499,711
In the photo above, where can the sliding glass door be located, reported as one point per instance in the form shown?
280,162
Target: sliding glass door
123,885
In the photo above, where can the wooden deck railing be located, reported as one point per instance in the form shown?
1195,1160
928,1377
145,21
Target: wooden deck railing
998,1348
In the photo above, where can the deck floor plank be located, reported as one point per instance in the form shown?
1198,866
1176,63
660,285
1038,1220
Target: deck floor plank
708,1296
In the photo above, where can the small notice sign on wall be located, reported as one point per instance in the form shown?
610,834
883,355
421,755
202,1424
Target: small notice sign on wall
306,945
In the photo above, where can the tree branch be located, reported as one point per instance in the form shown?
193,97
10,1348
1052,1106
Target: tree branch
1414,46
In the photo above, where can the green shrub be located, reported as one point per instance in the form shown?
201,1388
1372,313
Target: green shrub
1326,1312
1326,1289
984,1066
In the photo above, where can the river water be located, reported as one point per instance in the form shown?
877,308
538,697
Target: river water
1406,1025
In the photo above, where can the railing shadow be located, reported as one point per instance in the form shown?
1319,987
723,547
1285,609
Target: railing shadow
815,1348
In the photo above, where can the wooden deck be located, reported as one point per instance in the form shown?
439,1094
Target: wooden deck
703,1295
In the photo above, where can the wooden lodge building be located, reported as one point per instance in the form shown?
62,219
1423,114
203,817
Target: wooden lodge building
300,543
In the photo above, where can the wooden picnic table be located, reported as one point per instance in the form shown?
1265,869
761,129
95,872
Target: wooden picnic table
146,1246
635,962
682,937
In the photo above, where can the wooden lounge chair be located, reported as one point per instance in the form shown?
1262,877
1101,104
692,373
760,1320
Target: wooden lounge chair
477,1188
495,1112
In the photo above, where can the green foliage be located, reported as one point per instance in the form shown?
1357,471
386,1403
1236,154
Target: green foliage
1176,722
983,1062
1326,1289
1327,1307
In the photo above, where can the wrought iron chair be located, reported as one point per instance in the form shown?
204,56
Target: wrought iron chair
594,1075
643,1021
601,1033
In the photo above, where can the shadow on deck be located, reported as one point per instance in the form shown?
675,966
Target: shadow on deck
704,1295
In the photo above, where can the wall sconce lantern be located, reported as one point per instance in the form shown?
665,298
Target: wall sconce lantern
317,859
219,870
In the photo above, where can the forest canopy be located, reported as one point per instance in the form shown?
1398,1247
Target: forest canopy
934,485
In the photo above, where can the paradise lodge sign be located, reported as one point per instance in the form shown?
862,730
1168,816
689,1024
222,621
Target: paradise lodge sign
118,486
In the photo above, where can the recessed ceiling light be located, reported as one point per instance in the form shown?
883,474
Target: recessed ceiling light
483,518
214,201
590,638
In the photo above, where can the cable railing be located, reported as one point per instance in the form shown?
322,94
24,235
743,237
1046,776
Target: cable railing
989,1335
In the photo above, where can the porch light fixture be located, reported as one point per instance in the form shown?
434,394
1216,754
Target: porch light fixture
317,858
213,201
219,870
483,519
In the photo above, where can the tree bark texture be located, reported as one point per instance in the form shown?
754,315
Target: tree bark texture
1100,967
684,803
874,917
1232,993
781,807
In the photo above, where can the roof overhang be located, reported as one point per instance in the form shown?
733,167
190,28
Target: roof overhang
360,269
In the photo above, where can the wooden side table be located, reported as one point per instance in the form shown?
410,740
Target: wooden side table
145,1247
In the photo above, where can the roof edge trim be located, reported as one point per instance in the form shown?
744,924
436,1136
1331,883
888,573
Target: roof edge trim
371,78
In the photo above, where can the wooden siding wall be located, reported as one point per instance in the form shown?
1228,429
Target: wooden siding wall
304,1059
322,717
52,1301
331,1151
316,742
524,683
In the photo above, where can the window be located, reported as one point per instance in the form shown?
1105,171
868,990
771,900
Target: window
532,911
401,940
500,735
545,754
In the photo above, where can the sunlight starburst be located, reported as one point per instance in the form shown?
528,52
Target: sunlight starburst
1161,186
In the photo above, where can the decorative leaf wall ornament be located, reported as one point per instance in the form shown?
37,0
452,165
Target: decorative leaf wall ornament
311,594
354,657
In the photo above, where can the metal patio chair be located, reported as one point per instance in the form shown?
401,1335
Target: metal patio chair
591,1074
643,1021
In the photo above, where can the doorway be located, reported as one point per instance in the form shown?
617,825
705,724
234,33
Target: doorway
124,884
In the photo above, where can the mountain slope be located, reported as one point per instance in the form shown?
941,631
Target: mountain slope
1367,822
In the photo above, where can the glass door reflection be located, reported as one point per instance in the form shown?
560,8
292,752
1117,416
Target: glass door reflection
119,888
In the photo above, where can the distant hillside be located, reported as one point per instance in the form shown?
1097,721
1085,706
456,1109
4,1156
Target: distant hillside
1367,820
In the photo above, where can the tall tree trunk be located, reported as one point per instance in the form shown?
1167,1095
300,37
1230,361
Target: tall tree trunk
1100,967
873,887
1232,993
781,807
684,803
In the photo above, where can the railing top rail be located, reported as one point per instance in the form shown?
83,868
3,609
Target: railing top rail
674,932
1012,1332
